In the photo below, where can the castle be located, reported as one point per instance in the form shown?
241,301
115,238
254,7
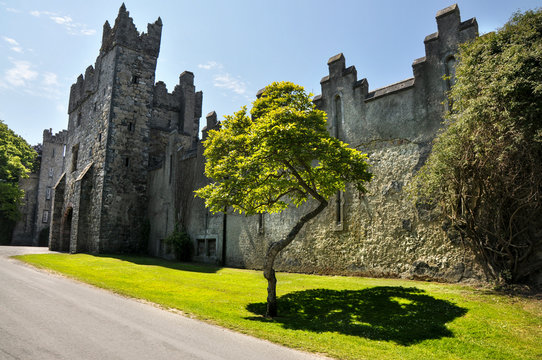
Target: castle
125,170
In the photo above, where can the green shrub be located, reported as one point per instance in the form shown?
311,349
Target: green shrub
181,243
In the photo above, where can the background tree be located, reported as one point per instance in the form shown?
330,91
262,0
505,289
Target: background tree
17,159
280,155
485,169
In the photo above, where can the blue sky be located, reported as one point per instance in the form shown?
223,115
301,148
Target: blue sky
234,47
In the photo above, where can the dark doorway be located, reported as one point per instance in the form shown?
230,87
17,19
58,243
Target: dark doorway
65,235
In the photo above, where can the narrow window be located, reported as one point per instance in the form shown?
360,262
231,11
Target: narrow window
450,72
75,155
338,116
135,79
260,223
79,119
339,209
130,126
48,193
45,217
450,77
99,137
200,250
211,247
95,106
53,154
167,219
127,162
50,172
170,168
90,152
64,151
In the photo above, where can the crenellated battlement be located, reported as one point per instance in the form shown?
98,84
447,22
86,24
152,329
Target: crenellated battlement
125,33
84,86
184,101
439,48
60,137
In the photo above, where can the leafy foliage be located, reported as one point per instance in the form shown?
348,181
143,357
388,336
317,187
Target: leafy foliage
181,243
485,168
280,154
17,159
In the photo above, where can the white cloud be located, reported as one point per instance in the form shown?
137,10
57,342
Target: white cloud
21,74
88,32
62,19
10,41
210,65
72,27
61,108
14,44
228,82
49,79
12,10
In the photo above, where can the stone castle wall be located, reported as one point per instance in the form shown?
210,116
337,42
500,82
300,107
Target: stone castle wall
381,233
133,160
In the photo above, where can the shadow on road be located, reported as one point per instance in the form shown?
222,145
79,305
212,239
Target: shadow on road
405,316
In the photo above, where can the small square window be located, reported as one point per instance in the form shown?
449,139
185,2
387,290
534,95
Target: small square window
200,250
211,247
45,217
135,79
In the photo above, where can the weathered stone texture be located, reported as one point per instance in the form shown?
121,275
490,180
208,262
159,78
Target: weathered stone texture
24,230
133,157
381,233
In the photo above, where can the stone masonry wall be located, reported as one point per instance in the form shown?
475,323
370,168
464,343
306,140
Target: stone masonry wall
51,168
381,233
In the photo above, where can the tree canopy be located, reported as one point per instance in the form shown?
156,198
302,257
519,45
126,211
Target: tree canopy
17,159
485,167
280,155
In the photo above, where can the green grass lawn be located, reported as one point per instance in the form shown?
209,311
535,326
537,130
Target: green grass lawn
342,317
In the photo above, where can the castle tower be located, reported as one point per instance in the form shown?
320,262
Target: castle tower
51,168
99,202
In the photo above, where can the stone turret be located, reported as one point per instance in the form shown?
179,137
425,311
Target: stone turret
125,33
179,110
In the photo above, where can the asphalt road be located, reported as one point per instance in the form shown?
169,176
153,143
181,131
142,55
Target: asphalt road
45,316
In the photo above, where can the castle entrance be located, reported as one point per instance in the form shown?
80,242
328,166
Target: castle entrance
65,235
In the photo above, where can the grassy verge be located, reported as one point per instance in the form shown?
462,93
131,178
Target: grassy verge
343,317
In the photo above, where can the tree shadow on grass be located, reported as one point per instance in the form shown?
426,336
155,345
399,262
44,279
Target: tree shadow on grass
152,261
405,316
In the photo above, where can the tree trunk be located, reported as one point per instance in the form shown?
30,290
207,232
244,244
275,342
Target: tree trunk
272,252
271,295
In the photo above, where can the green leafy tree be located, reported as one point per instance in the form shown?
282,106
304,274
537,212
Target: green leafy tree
281,155
17,159
485,169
